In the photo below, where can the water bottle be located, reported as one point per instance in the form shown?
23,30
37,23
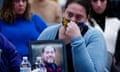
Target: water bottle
25,65
0,55
39,65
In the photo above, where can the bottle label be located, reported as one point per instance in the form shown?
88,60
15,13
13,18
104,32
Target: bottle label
25,69
40,70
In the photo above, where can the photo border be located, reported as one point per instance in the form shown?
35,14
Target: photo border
36,42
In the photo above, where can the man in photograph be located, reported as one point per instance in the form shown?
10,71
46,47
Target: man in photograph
49,55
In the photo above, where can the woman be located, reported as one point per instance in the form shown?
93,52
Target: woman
85,46
19,25
102,19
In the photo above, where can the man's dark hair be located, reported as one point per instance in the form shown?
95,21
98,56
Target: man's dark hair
43,49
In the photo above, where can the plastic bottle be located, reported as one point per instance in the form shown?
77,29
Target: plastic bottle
39,65
25,65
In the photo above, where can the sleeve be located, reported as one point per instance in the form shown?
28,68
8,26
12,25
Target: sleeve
49,33
11,55
91,56
39,23
46,34
43,35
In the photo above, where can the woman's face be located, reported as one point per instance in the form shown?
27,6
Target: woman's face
19,6
75,12
99,6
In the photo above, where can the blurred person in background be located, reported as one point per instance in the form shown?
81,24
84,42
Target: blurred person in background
62,3
55,1
19,25
48,9
103,19
10,59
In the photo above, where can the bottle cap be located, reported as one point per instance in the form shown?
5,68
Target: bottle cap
25,58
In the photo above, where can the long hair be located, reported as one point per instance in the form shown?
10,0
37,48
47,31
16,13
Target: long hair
7,13
108,11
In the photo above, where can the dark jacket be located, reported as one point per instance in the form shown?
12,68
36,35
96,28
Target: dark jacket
10,59
52,67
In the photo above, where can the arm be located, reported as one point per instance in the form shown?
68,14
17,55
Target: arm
11,56
89,56
49,33
39,23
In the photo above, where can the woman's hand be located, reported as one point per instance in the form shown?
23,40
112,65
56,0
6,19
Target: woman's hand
72,30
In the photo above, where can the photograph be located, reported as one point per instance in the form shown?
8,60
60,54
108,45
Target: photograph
51,53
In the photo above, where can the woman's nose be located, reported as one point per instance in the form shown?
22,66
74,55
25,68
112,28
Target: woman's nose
99,3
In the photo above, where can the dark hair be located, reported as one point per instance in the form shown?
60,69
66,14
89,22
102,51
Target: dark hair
108,12
7,13
43,49
84,3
